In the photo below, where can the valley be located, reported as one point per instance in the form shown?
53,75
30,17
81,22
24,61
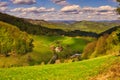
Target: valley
43,50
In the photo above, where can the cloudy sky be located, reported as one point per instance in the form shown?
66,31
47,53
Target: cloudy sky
61,9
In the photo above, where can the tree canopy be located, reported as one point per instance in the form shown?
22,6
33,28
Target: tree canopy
118,9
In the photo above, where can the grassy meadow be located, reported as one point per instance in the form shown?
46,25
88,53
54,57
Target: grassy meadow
71,45
81,70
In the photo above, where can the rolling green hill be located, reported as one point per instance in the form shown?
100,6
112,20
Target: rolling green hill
52,25
83,70
89,26
36,29
41,27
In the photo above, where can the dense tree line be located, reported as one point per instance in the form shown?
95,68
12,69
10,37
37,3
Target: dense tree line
13,41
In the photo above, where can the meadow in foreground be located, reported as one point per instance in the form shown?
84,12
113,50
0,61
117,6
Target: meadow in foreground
82,70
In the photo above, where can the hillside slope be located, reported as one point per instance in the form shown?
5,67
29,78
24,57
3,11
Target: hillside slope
12,40
82,70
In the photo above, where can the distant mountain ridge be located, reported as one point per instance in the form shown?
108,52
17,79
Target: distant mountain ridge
115,21
73,21
89,26
62,21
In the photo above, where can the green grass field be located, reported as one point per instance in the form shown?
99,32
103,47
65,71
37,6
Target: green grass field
42,44
82,70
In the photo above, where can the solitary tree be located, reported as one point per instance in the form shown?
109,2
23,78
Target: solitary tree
118,9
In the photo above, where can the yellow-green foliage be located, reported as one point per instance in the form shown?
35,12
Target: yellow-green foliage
113,43
12,40
89,49
100,48
106,44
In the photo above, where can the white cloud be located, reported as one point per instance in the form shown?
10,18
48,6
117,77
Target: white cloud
71,8
107,8
3,9
33,9
102,10
3,6
23,1
85,13
71,12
